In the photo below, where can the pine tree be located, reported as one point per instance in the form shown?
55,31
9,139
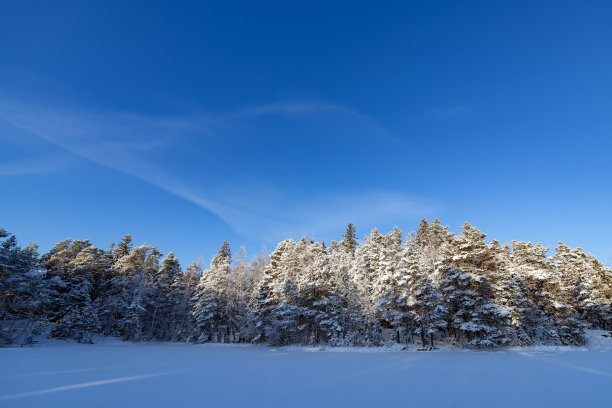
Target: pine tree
266,303
238,296
182,292
584,283
598,306
390,285
351,318
349,239
23,294
318,300
427,316
132,302
432,239
526,297
468,276
169,304
210,309
80,320
364,272
123,247
433,287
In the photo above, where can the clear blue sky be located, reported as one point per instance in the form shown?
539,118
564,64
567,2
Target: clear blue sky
188,123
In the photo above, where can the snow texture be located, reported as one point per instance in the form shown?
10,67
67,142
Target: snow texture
117,374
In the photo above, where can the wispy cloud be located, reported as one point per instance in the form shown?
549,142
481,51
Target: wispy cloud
255,208
312,109
295,108
35,165
327,213
446,112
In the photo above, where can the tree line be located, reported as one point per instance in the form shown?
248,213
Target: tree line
429,287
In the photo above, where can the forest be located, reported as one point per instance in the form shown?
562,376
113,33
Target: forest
427,288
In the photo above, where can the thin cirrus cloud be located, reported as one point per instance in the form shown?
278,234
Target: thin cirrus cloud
253,207
42,164
447,112
312,109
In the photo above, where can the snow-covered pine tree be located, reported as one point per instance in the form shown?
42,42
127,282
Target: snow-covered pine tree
427,317
169,305
598,306
110,302
238,296
255,270
475,319
290,320
133,299
364,272
570,269
76,269
349,239
530,299
431,239
584,283
210,308
352,321
182,291
79,319
23,293
434,286
390,286
568,291
123,248
318,300
59,262
266,304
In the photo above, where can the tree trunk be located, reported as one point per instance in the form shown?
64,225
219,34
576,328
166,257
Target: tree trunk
423,341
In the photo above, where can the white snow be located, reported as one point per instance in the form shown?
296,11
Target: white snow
116,374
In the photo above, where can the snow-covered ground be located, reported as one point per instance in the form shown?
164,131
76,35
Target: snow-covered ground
116,374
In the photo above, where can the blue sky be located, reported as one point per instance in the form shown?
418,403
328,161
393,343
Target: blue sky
189,123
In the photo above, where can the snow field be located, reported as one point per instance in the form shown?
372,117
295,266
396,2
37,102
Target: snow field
116,374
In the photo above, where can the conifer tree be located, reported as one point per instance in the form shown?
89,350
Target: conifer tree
182,292
364,272
123,247
80,320
351,318
23,295
467,287
133,299
266,303
390,285
349,239
238,296
318,299
210,311
168,303
430,288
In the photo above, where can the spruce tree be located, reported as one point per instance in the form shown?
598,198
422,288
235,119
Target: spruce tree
433,287
364,272
318,300
349,239
210,309
169,303
468,287
390,285
24,296
266,303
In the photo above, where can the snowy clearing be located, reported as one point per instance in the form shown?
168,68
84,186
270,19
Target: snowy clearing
116,374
